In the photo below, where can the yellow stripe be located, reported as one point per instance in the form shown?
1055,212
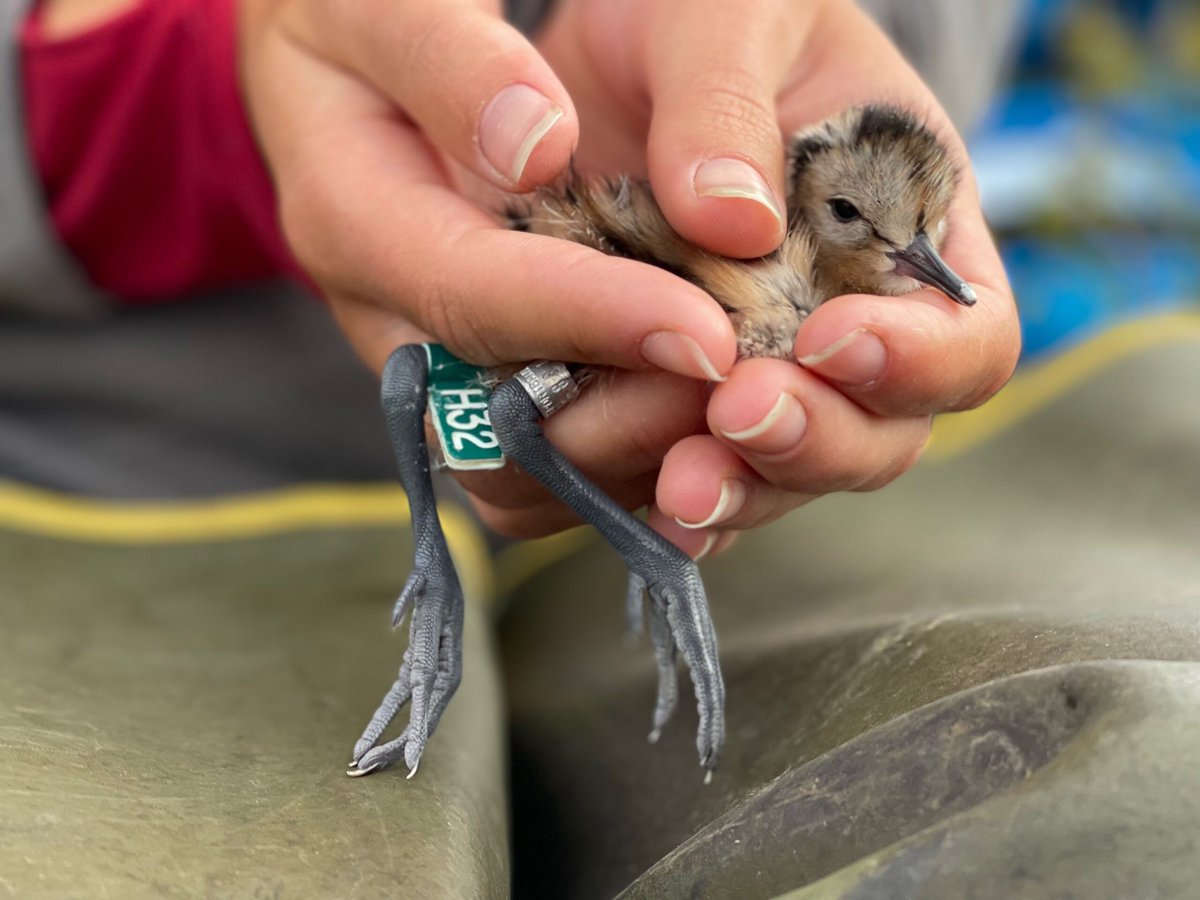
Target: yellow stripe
1035,387
233,518
309,507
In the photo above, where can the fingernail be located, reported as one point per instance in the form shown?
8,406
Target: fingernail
680,354
710,541
734,178
856,359
716,543
779,430
726,540
513,123
730,503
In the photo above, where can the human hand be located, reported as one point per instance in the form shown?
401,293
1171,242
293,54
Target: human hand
378,217
663,87
373,115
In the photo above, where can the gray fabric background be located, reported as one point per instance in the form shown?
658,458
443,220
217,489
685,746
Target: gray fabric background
960,47
36,274
249,390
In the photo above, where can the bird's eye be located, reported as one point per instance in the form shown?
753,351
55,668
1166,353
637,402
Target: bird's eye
844,210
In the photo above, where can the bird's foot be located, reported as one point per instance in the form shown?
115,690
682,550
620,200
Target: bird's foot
635,609
431,670
679,614
680,624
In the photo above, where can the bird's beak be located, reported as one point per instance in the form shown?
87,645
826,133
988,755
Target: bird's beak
920,260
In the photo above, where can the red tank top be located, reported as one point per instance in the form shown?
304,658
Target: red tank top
147,160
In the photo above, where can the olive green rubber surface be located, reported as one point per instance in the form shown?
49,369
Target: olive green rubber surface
981,682
176,720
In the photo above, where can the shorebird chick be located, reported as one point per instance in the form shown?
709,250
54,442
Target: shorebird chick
766,298
867,203
874,186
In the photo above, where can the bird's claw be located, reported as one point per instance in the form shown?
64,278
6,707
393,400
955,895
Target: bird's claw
429,674
680,624
413,588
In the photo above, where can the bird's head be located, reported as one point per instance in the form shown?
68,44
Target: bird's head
874,186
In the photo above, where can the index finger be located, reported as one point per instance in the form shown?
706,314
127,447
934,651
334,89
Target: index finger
368,208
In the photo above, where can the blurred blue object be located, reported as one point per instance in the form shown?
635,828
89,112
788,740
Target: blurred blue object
1069,291
1090,166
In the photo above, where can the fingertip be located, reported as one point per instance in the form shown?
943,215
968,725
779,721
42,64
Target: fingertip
715,152
476,87
856,359
736,208
725,541
748,403
696,544
526,136
717,337
847,339
682,354
701,484
910,355
693,335
724,204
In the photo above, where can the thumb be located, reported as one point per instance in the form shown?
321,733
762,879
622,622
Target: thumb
715,152
472,83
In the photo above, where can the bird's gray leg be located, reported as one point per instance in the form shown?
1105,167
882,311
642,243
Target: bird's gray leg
669,574
432,666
